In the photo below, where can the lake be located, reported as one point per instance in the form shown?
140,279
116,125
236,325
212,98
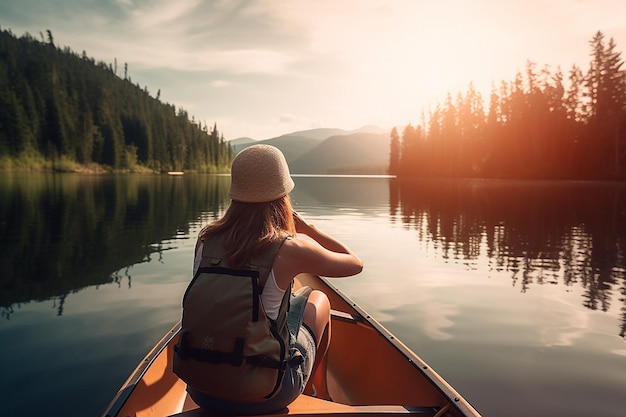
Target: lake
513,291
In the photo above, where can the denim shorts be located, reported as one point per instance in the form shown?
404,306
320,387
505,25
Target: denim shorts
295,378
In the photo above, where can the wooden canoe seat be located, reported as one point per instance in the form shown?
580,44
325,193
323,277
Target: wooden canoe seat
307,406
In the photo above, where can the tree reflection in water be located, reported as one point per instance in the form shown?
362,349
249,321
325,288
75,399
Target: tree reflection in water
569,233
60,233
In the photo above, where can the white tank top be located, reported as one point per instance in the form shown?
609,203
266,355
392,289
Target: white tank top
272,294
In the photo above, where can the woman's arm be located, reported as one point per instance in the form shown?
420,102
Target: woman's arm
322,255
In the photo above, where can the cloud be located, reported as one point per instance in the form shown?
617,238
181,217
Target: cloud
235,36
238,37
163,15
126,3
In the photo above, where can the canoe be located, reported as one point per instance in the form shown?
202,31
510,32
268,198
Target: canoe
370,372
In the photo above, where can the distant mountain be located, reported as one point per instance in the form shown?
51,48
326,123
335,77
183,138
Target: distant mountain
319,133
330,151
241,141
292,146
357,153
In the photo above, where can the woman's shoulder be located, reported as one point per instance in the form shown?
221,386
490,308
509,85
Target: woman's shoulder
293,250
294,244
301,252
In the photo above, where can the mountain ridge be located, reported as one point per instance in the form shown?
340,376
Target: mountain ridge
360,151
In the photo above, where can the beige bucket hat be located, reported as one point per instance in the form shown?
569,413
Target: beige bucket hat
260,174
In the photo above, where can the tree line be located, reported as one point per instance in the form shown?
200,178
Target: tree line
542,125
58,108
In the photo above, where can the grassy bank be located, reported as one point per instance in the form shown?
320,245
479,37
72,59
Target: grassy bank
33,162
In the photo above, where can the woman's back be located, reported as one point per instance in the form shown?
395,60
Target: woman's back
260,214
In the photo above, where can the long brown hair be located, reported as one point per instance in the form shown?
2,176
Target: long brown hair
246,229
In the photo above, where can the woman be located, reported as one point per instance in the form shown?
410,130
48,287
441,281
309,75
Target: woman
259,216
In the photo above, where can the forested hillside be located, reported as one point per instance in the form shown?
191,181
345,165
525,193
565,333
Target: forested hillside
543,124
62,110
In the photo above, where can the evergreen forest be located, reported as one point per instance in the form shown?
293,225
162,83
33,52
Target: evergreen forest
542,125
64,111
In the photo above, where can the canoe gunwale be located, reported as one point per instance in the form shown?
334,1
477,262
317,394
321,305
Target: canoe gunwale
127,388
455,399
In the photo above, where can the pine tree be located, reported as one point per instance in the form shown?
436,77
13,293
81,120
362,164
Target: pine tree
394,152
606,91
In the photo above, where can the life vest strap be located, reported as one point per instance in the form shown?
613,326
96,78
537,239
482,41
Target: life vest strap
235,358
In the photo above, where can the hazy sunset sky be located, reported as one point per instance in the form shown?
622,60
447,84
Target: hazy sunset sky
264,68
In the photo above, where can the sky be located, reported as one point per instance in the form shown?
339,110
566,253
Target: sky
261,69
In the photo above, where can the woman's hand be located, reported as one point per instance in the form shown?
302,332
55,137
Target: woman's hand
301,225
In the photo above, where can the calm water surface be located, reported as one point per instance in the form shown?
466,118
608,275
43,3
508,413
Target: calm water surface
513,291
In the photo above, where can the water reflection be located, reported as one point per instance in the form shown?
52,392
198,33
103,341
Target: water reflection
569,233
61,233
325,193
